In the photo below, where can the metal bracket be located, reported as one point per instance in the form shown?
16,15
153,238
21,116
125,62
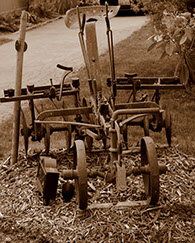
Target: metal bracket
18,46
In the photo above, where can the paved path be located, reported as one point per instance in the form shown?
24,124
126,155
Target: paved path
51,44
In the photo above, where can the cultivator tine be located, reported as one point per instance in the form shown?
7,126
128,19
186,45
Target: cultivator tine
168,127
121,182
25,132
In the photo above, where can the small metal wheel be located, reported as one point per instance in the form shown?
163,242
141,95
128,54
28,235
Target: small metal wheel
151,180
68,134
81,167
168,125
24,132
146,126
47,138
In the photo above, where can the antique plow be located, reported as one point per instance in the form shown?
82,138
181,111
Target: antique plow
103,122
95,118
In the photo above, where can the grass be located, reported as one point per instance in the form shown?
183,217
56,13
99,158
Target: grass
131,56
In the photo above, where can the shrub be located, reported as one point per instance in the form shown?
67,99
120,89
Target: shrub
175,34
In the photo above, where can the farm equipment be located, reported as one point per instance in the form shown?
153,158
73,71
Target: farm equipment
96,118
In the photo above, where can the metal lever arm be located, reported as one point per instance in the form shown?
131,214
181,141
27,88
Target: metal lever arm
111,51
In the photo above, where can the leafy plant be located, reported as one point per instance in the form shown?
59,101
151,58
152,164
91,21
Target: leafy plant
10,21
42,9
176,35
137,6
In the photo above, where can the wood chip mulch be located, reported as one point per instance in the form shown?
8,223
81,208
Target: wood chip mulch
24,218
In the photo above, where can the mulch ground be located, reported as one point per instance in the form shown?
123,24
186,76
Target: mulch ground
24,218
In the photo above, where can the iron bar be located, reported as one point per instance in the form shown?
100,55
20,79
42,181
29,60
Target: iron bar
68,123
35,96
134,111
150,86
64,112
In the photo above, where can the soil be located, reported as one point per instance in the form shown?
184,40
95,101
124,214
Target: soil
24,218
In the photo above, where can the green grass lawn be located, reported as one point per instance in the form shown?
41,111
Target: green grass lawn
131,56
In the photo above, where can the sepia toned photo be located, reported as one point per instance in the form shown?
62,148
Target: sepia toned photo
97,119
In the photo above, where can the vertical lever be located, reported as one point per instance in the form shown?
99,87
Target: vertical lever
111,51
82,42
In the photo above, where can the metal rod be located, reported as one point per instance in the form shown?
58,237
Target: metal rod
35,96
82,42
151,86
64,112
134,111
69,123
129,119
113,148
110,44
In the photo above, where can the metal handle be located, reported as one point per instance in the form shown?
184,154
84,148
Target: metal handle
64,67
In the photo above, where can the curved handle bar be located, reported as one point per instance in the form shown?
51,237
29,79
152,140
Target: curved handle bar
64,67
62,85
83,22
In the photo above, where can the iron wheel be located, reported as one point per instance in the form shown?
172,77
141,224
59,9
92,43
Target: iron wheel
151,180
81,167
